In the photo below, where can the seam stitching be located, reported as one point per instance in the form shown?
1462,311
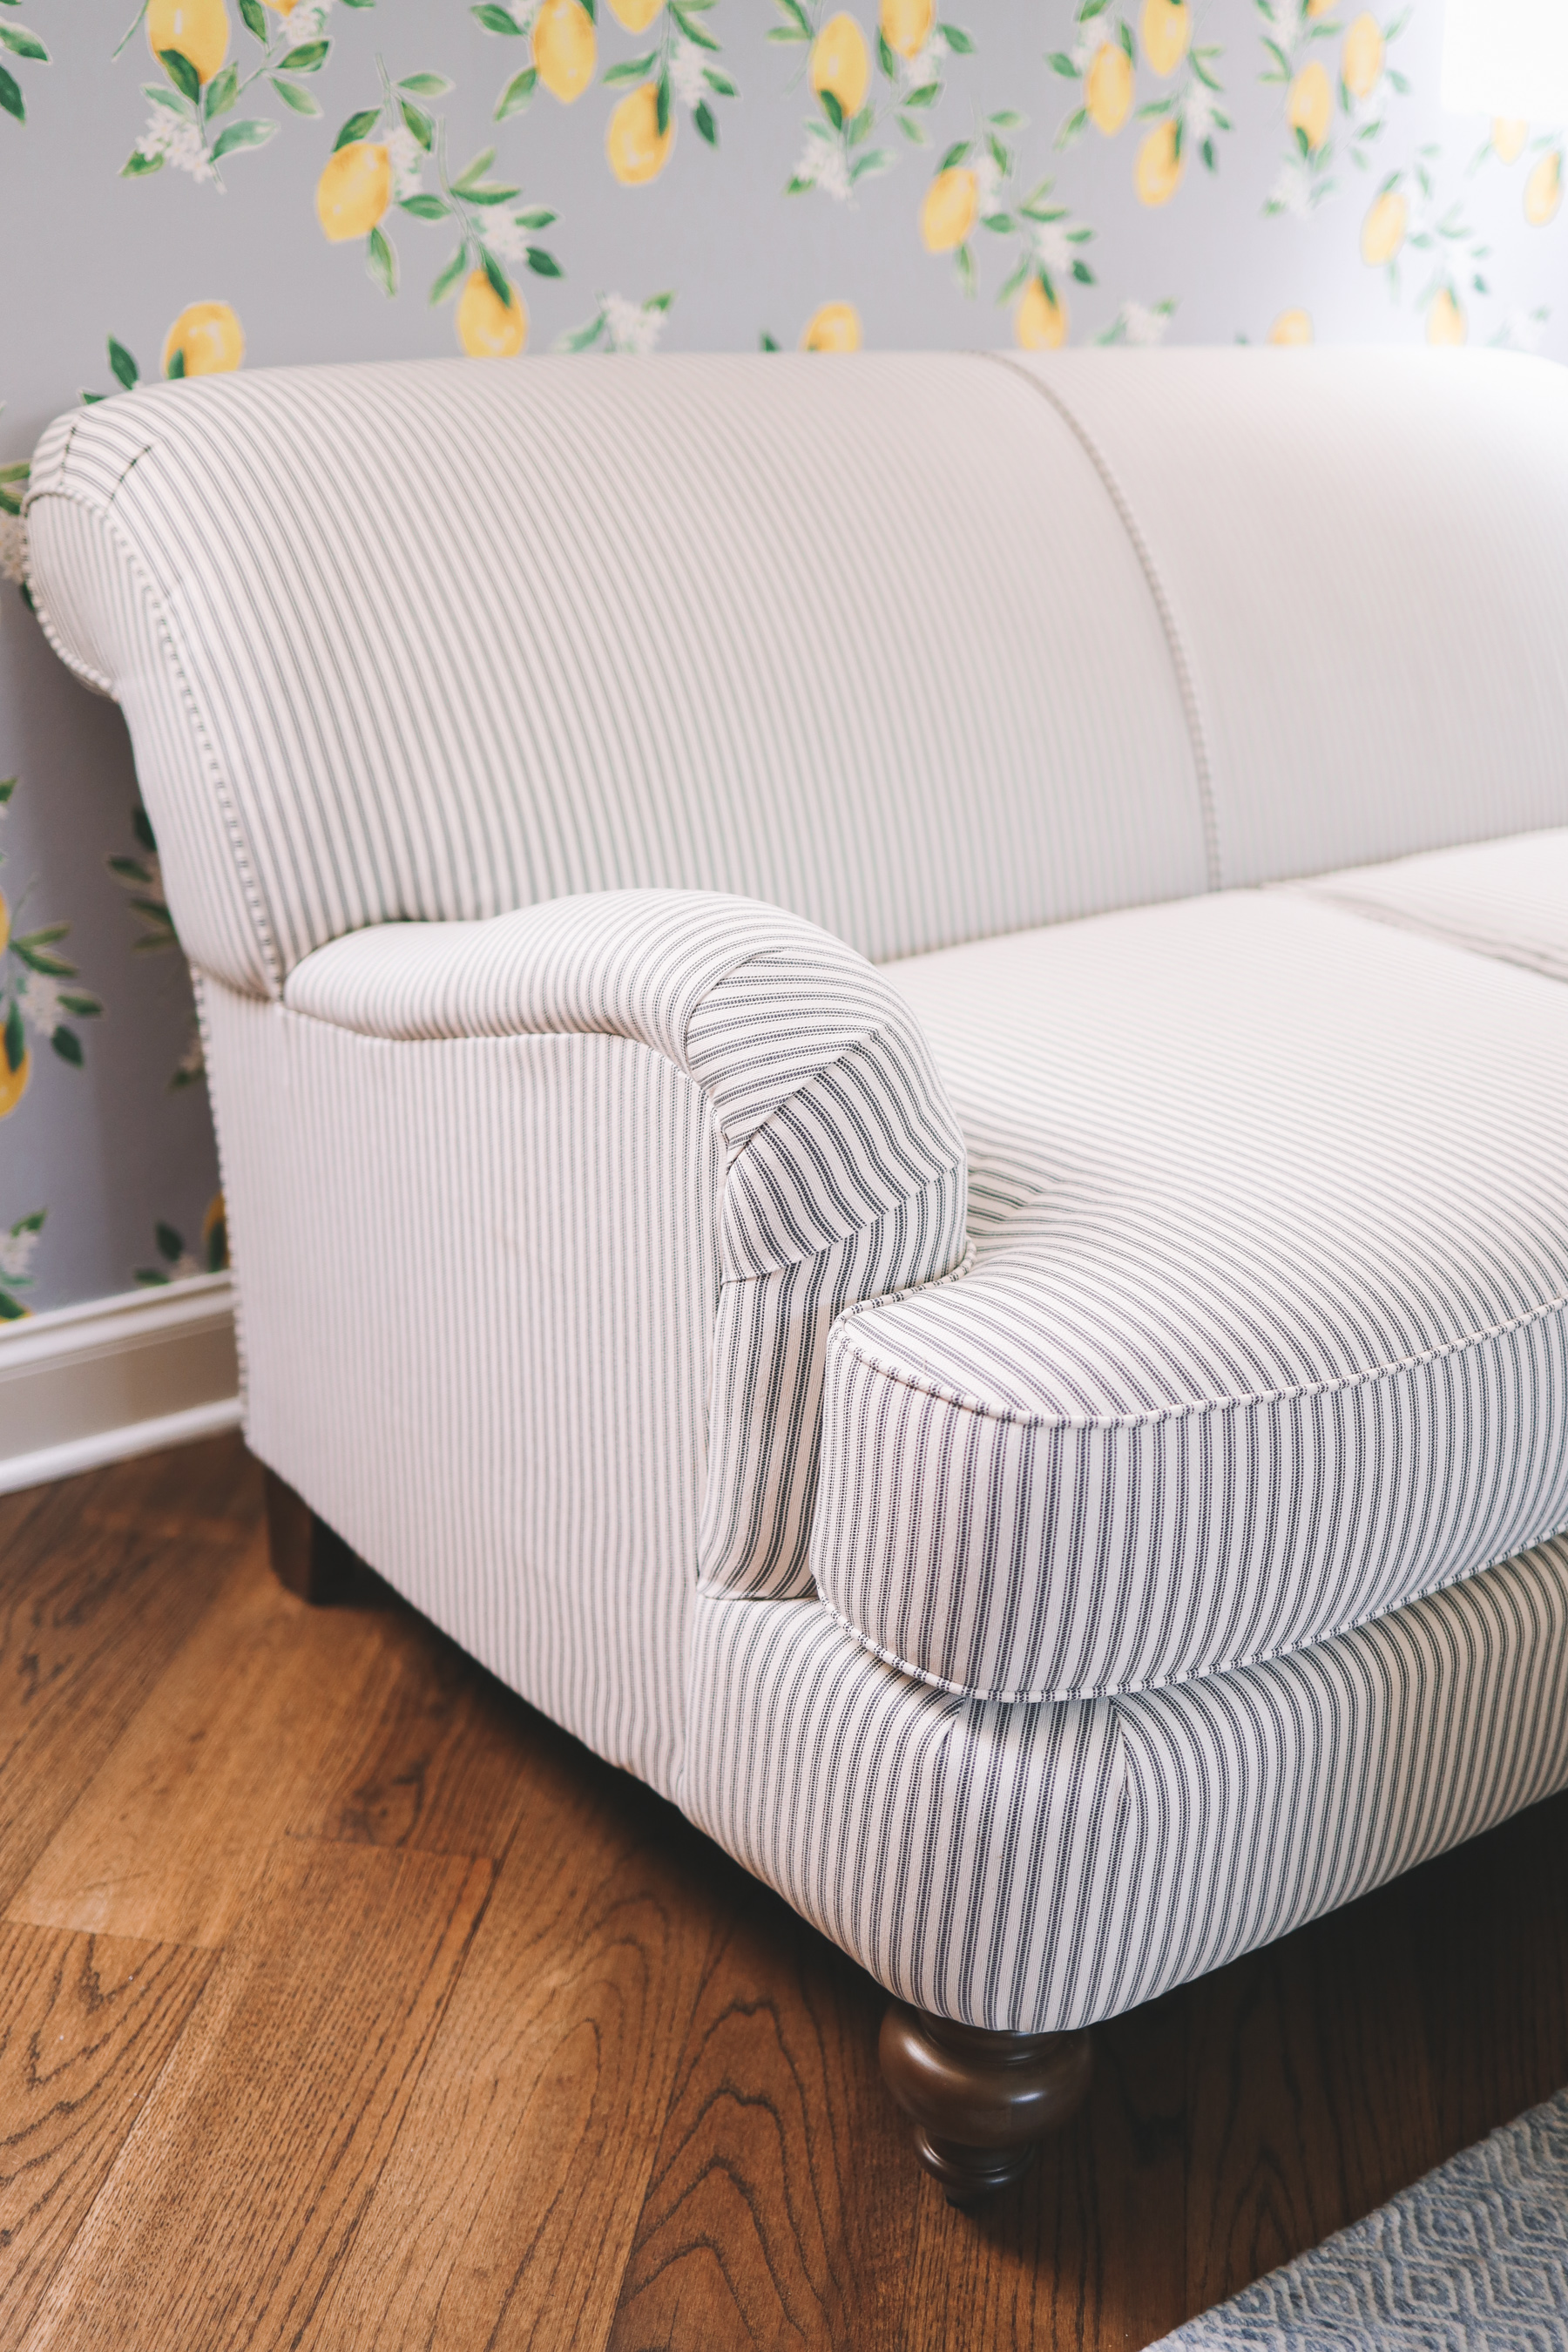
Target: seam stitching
1185,680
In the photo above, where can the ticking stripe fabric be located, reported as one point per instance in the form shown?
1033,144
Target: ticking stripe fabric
843,1165
1267,1329
1362,553
1034,1868
1505,899
869,642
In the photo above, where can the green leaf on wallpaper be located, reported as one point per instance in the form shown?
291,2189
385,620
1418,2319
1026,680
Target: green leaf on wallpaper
868,164
170,1245
497,19
500,284
516,94
1084,274
961,43
695,32
309,57
23,44
860,126
589,11
255,18
766,342
251,132
796,25
158,93
1059,62
472,173
176,367
86,1008
830,107
957,153
222,91
11,96
719,82
419,122
491,194
358,126
630,69
1013,281
542,263
448,277
68,1046
424,85
14,1038
182,73
1002,223
927,94
359,4
11,1310
381,262
424,207
537,216
702,123
884,57
1124,35
912,131
660,303
661,104
292,95
136,165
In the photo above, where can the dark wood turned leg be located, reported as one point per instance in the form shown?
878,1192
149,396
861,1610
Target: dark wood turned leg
980,2101
308,1557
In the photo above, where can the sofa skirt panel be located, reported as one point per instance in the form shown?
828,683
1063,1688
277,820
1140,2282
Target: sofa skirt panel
1034,1868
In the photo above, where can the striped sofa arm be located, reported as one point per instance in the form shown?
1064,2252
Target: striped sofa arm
844,1167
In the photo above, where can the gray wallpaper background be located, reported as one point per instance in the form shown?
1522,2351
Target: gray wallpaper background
102,1141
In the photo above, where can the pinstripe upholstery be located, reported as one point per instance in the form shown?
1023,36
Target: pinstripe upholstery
600,1221
1041,1867
1353,552
480,637
1505,899
1268,1327
843,1167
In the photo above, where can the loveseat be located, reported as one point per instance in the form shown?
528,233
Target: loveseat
890,1052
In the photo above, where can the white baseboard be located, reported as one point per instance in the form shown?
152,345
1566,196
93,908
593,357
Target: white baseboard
84,1385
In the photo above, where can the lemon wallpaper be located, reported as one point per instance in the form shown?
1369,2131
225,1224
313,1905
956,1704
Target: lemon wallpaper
205,184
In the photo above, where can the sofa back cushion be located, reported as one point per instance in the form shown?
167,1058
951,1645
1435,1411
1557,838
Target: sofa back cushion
1364,557
869,641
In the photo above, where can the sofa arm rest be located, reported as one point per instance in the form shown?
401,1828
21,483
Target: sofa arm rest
843,1164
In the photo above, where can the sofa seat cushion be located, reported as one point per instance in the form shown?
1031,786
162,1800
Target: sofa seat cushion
1506,898
1265,1330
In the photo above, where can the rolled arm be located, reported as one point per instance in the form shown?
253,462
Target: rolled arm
844,1166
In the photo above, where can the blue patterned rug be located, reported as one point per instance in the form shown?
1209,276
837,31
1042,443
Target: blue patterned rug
1473,2259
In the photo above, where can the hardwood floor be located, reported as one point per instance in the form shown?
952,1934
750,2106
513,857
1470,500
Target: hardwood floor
344,2002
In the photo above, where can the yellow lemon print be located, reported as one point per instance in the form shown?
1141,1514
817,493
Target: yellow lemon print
4,923
1361,60
1543,190
281,7
1508,137
906,24
1383,231
1165,28
1157,175
564,48
1311,108
834,328
1320,7
209,338
355,190
636,15
948,209
1445,324
197,28
841,63
1108,87
487,327
637,153
1290,329
14,1082
1039,324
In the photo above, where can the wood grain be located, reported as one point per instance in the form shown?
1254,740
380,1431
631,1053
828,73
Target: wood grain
97,1595
171,1833
87,2025
236,2195
548,2081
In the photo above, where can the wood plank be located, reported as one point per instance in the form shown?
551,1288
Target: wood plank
90,1616
505,2215
87,2025
779,2196
435,1757
171,1833
237,2195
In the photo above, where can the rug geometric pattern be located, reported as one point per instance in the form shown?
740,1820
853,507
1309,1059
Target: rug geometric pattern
1474,2258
